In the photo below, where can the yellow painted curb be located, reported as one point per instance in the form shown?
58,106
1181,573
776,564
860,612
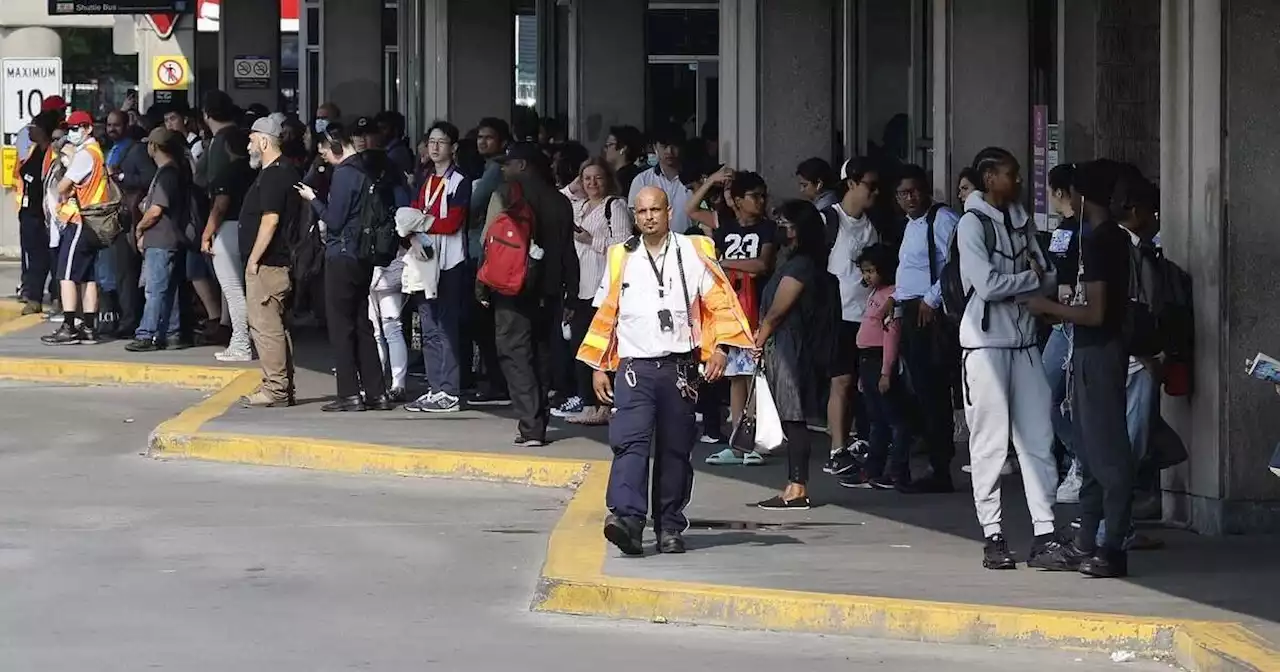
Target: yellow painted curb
573,579
116,373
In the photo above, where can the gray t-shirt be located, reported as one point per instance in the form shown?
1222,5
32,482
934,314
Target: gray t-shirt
171,192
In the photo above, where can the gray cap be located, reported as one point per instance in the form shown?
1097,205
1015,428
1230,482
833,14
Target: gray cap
268,126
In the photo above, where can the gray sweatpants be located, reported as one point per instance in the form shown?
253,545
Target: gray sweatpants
1107,464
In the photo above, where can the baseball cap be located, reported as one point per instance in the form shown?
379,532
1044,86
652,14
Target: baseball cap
79,118
268,126
162,136
523,151
363,126
53,103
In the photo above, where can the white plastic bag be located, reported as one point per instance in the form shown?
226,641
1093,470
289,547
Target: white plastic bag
768,425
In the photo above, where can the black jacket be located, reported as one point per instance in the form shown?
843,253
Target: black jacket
553,232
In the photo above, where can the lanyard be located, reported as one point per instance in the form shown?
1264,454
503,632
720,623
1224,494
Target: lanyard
658,271
435,195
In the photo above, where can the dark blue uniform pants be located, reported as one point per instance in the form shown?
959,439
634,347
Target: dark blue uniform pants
651,415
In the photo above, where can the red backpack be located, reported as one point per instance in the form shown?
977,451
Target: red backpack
506,247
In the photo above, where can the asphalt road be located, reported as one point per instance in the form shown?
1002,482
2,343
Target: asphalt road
111,561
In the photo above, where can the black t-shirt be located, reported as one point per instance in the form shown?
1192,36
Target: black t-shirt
1064,250
1106,259
227,167
735,242
272,192
32,175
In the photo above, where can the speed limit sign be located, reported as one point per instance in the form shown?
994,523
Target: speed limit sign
27,82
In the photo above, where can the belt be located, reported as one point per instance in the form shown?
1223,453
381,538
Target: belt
673,357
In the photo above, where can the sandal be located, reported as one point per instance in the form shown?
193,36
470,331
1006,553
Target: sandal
728,457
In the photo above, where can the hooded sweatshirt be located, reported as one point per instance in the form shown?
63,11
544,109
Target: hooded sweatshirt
999,278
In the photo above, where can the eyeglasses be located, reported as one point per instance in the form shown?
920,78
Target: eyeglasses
757,195
439,143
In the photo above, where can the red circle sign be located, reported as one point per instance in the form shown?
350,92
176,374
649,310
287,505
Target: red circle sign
170,73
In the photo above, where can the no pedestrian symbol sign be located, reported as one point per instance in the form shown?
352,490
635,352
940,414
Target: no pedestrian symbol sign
170,74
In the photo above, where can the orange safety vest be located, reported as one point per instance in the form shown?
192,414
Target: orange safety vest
720,320
92,191
49,157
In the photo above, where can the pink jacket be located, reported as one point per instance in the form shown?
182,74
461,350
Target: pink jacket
873,334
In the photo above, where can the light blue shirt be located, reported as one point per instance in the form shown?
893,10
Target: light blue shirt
914,280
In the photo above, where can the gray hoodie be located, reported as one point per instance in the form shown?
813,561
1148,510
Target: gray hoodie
999,278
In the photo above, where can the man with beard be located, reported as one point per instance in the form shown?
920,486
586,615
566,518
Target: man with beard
271,209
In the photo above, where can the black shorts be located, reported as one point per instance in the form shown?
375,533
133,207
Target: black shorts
844,360
76,255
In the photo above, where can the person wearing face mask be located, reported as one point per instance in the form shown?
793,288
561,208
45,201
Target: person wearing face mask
665,175
270,212
85,184
327,113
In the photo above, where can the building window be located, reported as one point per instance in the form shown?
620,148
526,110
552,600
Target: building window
526,50
673,31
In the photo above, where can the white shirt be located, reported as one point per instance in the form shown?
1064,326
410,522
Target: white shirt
852,237
639,331
195,146
605,232
81,163
677,195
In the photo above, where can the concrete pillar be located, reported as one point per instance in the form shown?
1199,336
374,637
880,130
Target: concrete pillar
608,68
29,42
1230,423
990,91
249,28
352,57
797,56
150,47
740,83
481,60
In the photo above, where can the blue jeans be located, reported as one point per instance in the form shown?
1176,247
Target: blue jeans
163,271
104,269
441,320
1141,398
1054,359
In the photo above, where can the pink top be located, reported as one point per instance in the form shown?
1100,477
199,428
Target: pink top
873,334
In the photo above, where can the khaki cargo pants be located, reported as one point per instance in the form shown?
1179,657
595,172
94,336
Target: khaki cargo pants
267,292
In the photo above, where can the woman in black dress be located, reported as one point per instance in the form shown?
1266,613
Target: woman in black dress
791,336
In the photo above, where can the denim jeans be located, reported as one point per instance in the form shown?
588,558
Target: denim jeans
1055,359
163,271
104,270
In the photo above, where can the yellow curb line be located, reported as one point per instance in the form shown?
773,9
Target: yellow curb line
573,580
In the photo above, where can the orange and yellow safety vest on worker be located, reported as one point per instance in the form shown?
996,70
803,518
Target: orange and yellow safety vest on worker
93,191
720,320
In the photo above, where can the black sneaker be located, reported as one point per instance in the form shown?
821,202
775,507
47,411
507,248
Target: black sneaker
489,399
858,479
141,345
885,482
178,343
1054,556
1106,564
841,462
777,503
996,555
65,335
523,442
89,336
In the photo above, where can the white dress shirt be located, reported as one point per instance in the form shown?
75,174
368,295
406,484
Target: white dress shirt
639,330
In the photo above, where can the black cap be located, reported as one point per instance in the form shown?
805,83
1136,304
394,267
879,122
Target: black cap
523,151
362,126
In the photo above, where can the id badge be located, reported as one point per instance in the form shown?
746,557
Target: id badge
1060,241
665,321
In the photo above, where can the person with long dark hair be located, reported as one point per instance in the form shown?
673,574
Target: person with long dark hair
790,306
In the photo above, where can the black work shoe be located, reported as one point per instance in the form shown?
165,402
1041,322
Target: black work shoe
178,343
141,345
352,404
1106,564
65,335
626,534
382,402
996,555
526,442
670,542
1054,556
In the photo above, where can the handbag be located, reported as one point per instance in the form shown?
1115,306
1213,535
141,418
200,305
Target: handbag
763,431
104,219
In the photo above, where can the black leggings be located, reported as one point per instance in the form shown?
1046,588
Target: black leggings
798,451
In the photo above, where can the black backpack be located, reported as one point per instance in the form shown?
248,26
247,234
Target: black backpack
954,296
1142,334
376,239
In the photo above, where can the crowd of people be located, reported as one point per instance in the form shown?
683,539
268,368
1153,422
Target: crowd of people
873,312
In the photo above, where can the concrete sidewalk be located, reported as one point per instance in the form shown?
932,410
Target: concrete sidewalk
863,562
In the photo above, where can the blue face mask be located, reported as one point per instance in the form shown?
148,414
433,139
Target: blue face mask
653,159
321,125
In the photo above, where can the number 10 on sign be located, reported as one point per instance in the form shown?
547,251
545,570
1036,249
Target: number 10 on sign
27,82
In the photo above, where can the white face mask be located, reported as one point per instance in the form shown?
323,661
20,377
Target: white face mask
75,136
321,125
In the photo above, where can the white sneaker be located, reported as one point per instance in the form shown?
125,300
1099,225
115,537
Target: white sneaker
1006,470
230,355
1069,488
